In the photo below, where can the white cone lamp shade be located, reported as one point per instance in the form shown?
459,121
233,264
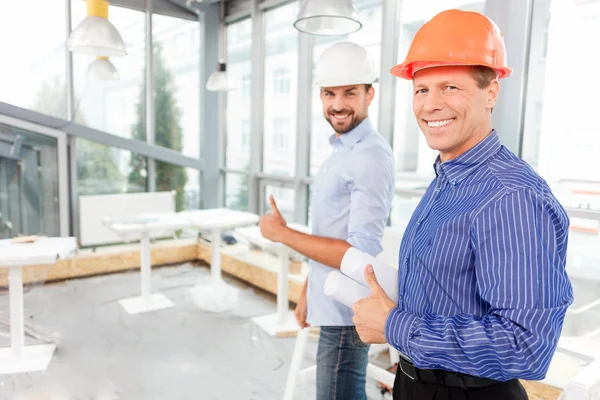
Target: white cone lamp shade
96,35
218,81
327,17
101,69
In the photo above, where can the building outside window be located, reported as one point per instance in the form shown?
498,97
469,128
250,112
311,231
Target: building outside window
281,84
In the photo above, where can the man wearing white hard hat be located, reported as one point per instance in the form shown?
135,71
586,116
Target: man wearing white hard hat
352,197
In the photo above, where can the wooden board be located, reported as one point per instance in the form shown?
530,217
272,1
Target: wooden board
103,262
263,278
540,391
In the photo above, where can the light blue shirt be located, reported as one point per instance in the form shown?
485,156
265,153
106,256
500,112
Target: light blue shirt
351,197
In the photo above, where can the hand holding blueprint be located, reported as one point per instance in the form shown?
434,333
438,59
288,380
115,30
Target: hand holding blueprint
349,285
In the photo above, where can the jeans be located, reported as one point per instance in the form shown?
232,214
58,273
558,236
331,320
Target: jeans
342,360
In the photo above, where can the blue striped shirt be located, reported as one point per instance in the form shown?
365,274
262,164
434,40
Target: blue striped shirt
482,283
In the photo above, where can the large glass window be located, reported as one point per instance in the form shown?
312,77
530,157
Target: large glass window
33,72
184,181
562,141
281,135
106,170
369,36
285,199
236,191
561,137
193,193
281,90
117,107
176,84
239,53
281,81
29,196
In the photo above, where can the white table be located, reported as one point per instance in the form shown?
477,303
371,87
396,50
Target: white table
283,320
45,251
140,227
216,296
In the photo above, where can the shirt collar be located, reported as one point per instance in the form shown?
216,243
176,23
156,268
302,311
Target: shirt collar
353,136
460,167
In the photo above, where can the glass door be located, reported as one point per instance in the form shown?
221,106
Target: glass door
33,181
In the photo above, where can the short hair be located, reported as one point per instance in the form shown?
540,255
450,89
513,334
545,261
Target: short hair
484,76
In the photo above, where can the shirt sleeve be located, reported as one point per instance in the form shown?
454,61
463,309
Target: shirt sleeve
371,195
519,244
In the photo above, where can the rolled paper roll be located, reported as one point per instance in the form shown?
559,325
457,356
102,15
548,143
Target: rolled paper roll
354,264
344,290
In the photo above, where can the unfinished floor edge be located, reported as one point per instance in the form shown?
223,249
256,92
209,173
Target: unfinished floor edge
90,264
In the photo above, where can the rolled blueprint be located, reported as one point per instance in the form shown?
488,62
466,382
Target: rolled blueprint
343,289
354,264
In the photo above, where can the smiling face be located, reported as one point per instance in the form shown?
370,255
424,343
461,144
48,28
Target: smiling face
344,107
452,109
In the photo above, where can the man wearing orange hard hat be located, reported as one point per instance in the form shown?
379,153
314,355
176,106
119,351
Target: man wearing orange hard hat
482,284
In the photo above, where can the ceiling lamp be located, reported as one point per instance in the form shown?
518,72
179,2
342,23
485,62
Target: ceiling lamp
102,69
327,17
96,35
218,81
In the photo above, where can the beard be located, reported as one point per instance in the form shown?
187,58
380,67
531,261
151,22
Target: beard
354,121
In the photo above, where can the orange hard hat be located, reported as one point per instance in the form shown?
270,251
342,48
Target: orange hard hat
455,37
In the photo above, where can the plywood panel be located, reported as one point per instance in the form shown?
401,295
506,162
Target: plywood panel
262,277
540,391
103,262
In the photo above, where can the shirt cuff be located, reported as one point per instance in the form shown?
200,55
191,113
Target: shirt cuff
398,329
365,244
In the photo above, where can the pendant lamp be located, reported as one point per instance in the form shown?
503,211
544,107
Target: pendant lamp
218,81
96,35
101,69
327,17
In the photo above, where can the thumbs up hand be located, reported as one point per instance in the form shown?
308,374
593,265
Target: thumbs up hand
272,225
370,314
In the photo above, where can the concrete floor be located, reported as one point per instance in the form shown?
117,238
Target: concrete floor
180,353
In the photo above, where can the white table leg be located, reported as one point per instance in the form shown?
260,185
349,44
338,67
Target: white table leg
21,358
283,305
216,296
146,269
147,301
17,335
283,321
215,257
297,357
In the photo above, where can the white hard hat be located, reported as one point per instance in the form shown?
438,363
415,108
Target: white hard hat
343,64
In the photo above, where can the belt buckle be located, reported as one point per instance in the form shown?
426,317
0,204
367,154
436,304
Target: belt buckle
405,367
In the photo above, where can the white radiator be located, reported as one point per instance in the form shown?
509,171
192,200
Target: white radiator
93,209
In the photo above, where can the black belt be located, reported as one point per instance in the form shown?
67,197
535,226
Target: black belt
442,378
